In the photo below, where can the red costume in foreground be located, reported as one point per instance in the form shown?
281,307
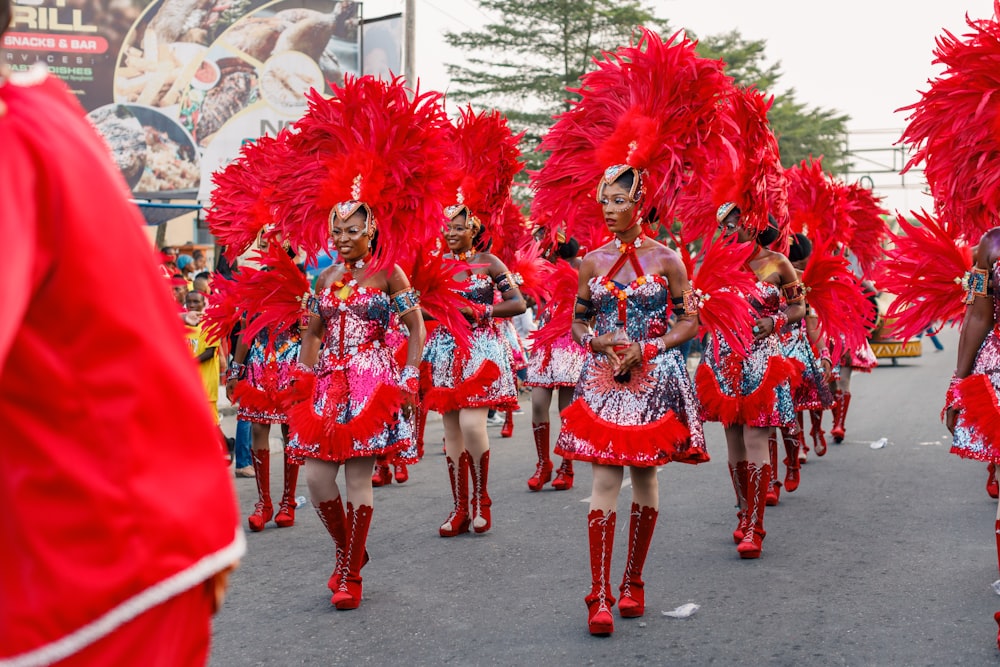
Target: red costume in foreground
118,508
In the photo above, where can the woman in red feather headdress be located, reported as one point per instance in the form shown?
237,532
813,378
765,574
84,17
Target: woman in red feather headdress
376,196
954,127
465,378
646,122
556,362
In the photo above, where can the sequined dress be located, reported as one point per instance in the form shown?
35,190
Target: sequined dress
557,364
477,375
812,392
648,420
755,390
353,404
977,429
262,394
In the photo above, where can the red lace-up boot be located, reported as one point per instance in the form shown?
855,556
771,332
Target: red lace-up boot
348,595
263,510
402,474
481,502
508,425
839,416
992,488
632,602
774,487
458,521
756,493
382,475
331,513
739,476
816,431
286,508
420,423
601,533
791,460
564,476
543,469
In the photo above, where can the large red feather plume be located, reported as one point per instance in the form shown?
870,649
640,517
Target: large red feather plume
375,142
224,308
245,194
511,233
815,203
275,296
751,175
835,294
724,286
564,284
534,270
955,129
863,213
924,269
656,106
433,276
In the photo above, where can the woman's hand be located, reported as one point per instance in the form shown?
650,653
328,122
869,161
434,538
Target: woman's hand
230,387
951,416
630,358
827,370
763,328
605,344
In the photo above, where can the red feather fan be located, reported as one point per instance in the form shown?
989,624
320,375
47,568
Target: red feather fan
534,270
225,308
564,284
724,286
433,276
924,269
834,293
753,180
815,203
955,128
275,296
863,214
656,106
375,142
511,233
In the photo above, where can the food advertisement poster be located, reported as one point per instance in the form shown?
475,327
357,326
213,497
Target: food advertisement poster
176,86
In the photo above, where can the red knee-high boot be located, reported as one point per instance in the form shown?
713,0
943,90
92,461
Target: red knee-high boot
421,423
739,477
632,602
508,425
331,513
263,510
402,474
992,487
816,431
564,476
601,534
839,416
348,595
286,509
756,493
481,502
458,521
543,469
381,476
791,443
774,487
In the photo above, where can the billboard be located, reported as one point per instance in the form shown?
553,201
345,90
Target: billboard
382,46
176,86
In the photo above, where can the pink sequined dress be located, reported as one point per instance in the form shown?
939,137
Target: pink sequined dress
755,390
353,404
650,418
556,364
263,393
812,392
477,375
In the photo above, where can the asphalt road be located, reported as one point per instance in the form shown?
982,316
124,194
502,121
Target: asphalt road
881,557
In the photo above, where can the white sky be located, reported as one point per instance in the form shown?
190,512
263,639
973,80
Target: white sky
865,58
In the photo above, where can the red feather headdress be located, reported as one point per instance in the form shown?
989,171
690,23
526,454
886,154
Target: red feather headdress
433,276
924,269
654,106
374,145
246,192
485,160
955,128
750,175
815,203
862,215
564,285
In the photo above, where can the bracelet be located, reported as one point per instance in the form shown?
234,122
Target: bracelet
585,340
235,371
302,368
409,378
780,320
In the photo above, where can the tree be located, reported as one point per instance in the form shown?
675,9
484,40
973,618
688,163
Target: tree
801,131
523,62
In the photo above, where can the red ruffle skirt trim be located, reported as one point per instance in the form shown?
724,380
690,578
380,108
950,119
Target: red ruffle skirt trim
720,407
466,394
976,400
258,401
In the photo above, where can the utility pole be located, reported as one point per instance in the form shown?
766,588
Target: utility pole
409,32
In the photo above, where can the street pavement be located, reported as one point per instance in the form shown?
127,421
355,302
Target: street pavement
881,557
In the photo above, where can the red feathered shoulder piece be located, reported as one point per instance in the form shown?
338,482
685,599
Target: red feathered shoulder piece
724,287
924,269
655,106
835,294
815,203
564,285
276,296
434,277
378,143
533,271
954,128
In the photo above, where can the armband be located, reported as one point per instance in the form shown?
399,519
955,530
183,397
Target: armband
505,282
951,398
405,300
303,369
588,310
686,305
780,320
977,283
653,347
312,304
794,292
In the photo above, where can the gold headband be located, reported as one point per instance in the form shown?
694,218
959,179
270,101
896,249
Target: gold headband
346,209
612,174
471,219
